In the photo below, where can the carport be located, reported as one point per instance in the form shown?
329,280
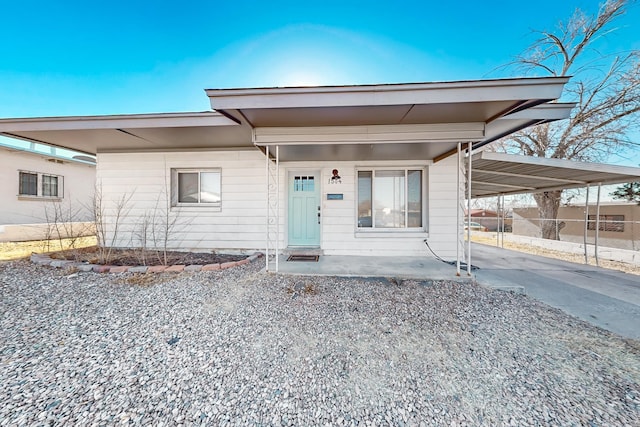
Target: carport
500,174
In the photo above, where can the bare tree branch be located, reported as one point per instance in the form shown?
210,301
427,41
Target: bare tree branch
605,87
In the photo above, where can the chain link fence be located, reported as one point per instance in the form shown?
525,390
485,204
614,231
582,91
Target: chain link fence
613,231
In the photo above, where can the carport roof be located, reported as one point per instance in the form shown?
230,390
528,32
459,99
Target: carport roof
494,174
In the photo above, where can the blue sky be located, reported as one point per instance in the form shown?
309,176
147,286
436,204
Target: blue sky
82,58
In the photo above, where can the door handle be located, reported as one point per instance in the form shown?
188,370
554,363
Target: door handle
318,217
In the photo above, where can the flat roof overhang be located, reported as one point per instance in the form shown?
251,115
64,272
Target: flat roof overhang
398,142
121,133
473,111
494,174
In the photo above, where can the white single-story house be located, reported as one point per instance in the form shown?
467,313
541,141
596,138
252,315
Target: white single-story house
38,181
367,170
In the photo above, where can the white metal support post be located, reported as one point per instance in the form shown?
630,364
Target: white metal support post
273,208
597,225
470,146
586,226
458,207
277,205
267,217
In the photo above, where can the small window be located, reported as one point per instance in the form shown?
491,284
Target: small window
194,187
390,199
49,186
28,184
613,223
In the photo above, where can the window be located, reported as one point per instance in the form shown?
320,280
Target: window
195,187
49,185
613,223
28,184
390,199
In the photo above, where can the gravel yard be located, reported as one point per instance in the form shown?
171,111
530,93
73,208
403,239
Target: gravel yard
242,347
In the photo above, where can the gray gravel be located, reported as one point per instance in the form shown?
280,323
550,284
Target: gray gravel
242,347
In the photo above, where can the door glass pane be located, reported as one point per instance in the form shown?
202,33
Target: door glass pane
188,187
414,186
304,183
210,187
389,199
364,199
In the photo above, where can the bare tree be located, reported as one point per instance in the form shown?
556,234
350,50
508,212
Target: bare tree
108,221
64,224
606,89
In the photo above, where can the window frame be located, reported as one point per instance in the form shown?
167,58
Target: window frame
423,200
613,223
175,197
44,185
39,185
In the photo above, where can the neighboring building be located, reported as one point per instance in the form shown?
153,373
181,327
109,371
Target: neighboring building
35,178
619,225
345,169
489,219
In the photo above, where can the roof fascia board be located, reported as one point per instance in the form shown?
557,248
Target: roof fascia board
369,134
133,121
545,88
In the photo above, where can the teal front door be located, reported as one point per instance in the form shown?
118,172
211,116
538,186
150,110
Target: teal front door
304,209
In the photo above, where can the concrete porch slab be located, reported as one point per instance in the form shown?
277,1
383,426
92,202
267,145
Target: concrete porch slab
419,268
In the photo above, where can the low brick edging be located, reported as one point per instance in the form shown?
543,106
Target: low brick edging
44,259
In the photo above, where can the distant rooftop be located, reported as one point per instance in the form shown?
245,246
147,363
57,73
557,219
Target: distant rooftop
46,150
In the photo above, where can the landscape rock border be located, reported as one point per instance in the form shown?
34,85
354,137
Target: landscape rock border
44,259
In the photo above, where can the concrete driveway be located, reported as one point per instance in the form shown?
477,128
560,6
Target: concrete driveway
606,298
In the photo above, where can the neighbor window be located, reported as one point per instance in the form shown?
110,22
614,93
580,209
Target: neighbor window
28,184
49,186
200,186
36,184
390,198
607,223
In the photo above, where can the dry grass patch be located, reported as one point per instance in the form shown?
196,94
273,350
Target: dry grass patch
17,250
144,279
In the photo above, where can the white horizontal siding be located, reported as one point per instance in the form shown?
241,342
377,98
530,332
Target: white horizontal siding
237,224
241,221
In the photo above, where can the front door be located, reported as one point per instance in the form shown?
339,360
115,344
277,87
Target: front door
304,209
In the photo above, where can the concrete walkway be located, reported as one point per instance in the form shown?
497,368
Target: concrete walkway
420,268
606,298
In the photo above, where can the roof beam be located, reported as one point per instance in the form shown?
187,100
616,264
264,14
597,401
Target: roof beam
371,134
495,184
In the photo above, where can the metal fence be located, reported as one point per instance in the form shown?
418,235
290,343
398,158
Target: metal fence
612,232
